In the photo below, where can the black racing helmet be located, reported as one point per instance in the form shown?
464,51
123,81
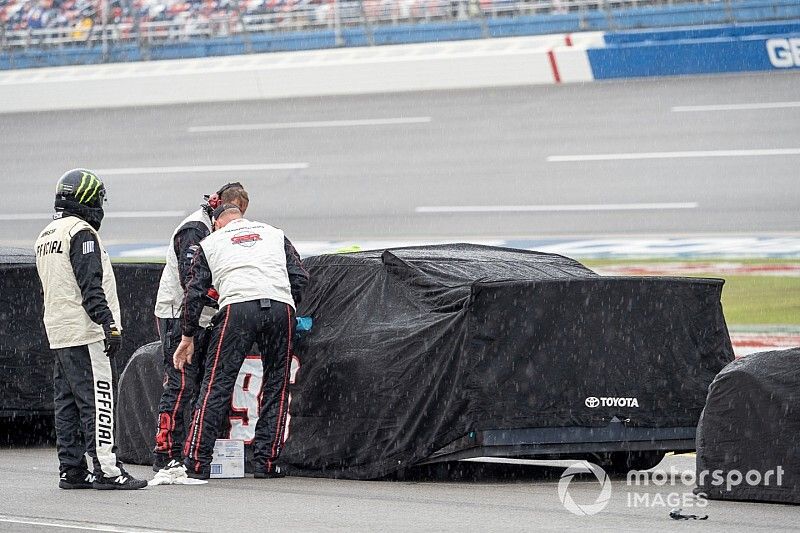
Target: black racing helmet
81,193
81,186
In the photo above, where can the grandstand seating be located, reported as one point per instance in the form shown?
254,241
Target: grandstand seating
47,22
18,15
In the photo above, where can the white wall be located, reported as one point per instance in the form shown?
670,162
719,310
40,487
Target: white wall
446,65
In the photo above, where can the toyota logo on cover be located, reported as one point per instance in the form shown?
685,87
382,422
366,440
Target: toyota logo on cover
594,401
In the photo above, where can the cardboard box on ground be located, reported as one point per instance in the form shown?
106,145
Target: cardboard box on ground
228,459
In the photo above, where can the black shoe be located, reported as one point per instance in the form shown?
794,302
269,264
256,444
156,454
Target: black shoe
76,479
124,481
173,463
273,474
202,474
160,461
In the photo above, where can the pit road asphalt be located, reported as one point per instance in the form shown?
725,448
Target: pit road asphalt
31,501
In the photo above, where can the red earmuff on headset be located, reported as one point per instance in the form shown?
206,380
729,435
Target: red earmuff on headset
215,200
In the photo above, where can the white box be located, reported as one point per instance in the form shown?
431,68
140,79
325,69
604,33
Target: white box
228,460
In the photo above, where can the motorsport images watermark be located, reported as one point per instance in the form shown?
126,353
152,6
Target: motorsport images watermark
686,479
602,499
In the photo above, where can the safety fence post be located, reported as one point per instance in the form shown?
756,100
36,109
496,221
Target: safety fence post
248,43
729,12
337,24
607,11
367,24
482,17
104,30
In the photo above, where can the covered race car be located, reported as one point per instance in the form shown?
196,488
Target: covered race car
449,352
440,353
759,396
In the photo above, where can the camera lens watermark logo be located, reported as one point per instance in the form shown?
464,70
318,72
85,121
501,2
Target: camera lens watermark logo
592,402
602,499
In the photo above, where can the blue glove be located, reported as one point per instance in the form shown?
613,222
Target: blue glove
304,323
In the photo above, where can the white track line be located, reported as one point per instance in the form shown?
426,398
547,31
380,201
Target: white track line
552,208
70,524
672,155
112,214
144,214
311,124
130,171
734,107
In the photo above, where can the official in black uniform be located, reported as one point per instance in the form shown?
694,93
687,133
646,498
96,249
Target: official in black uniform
82,320
260,279
180,386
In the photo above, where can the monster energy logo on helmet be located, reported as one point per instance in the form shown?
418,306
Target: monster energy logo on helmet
81,186
88,188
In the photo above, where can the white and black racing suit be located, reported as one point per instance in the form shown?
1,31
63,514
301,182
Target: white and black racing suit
80,305
180,386
260,278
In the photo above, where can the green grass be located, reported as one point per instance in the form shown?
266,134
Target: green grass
746,300
745,261
761,300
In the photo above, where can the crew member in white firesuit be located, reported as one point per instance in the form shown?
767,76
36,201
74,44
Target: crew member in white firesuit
260,279
82,320
180,386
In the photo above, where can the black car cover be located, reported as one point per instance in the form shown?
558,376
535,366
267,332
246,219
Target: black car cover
749,428
140,389
413,348
137,404
26,362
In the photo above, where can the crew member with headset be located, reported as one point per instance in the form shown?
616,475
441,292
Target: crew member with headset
260,279
82,320
180,386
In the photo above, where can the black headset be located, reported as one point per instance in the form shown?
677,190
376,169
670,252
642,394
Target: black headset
213,201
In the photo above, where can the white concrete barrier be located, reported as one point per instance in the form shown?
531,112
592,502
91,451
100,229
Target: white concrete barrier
446,65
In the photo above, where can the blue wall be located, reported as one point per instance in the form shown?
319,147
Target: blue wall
672,58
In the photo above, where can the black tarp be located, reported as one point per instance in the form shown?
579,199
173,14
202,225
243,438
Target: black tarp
751,422
413,348
137,404
140,388
26,362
